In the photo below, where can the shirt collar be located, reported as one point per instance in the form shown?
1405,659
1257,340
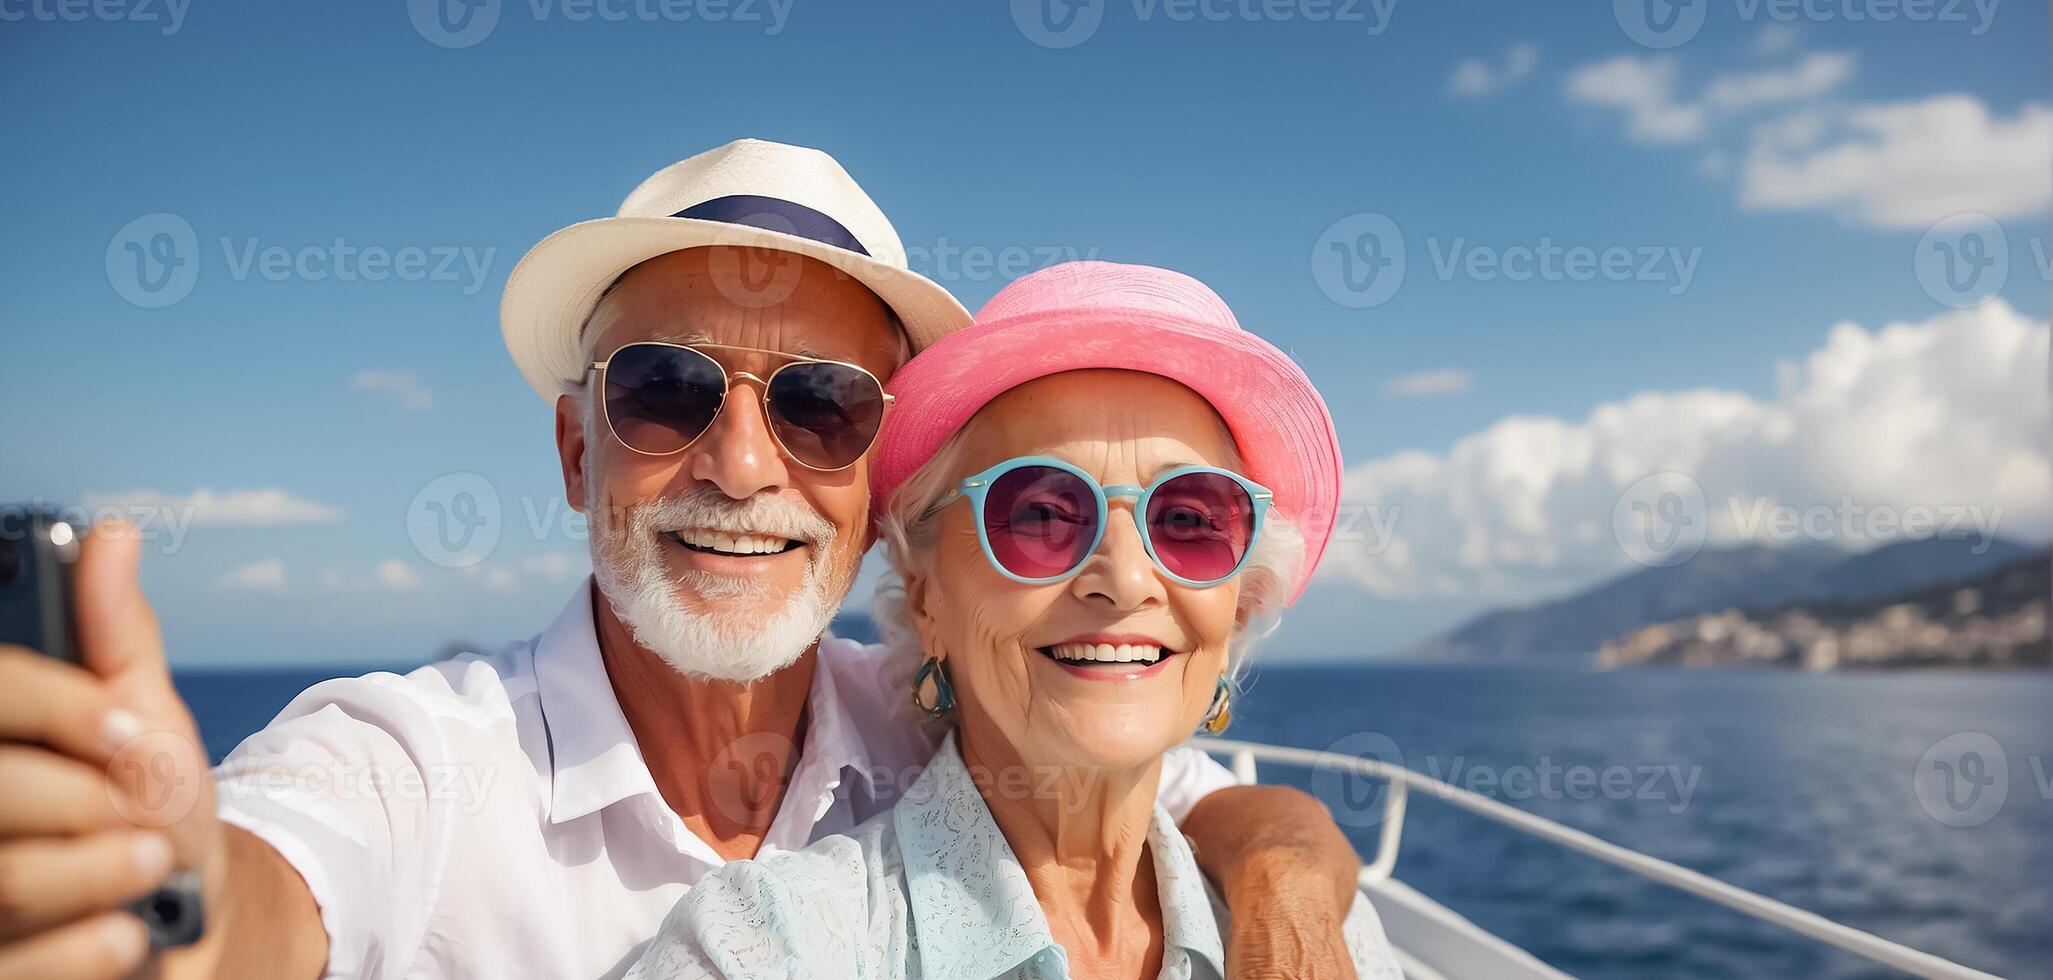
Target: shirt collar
973,910
1187,919
595,761
592,753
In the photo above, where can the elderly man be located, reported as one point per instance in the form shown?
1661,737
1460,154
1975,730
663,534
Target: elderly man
715,354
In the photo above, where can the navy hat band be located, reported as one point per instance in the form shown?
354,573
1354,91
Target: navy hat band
775,214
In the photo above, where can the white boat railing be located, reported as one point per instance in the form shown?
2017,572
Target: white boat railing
1244,755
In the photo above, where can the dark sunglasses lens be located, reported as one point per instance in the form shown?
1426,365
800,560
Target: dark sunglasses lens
1201,525
826,415
1041,521
659,399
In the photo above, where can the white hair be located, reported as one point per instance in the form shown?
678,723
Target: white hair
908,524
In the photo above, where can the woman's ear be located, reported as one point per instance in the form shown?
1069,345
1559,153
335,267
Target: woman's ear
1243,610
921,602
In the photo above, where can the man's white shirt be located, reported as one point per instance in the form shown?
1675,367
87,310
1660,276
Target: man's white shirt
492,816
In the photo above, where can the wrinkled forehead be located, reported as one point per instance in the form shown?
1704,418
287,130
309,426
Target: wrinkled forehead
1119,426
747,298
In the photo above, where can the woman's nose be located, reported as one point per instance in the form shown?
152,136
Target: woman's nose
1120,572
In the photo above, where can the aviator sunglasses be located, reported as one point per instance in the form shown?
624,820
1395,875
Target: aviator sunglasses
660,398
1039,519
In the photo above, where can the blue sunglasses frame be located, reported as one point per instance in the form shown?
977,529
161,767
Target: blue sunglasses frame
977,486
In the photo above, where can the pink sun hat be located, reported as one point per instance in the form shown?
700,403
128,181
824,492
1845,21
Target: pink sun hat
1084,315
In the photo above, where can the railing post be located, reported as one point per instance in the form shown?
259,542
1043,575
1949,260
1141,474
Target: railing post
1244,767
1393,832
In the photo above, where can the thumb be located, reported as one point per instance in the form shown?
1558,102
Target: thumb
117,629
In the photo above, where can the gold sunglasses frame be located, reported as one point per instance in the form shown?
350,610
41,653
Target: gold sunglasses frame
727,379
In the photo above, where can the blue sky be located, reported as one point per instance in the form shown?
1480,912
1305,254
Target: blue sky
1795,164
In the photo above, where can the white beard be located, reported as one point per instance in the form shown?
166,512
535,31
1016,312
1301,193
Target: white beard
743,646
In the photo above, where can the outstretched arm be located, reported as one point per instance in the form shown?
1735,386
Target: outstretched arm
1287,874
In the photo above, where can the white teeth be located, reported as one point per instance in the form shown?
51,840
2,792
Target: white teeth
732,544
1123,653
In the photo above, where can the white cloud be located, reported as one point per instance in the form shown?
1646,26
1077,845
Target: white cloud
1644,90
1948,413
264,576
1904,164
207,508
1775,39
1475,76
397,575
1815,75
1899,165
547,568
556,566
413,396
1426,384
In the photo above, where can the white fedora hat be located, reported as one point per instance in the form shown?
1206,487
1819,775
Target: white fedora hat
749,193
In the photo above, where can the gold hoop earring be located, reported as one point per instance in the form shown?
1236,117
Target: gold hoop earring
1221,714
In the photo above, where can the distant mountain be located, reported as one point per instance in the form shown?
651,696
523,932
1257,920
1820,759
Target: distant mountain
1907,565
1994,618
1745,577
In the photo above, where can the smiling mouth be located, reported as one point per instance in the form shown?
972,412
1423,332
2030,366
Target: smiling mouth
1106,656
732,545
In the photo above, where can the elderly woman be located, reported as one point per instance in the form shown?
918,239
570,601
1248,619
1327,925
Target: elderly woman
1092,500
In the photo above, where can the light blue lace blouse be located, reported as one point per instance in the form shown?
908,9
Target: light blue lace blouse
931,891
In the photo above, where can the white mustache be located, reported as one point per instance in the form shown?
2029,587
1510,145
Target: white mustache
705,508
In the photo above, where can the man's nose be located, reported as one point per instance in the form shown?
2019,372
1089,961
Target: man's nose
738,454
1120,572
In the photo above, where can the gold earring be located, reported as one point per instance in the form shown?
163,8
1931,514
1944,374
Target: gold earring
1221,714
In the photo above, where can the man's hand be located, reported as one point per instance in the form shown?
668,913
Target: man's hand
1288,877
106,783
